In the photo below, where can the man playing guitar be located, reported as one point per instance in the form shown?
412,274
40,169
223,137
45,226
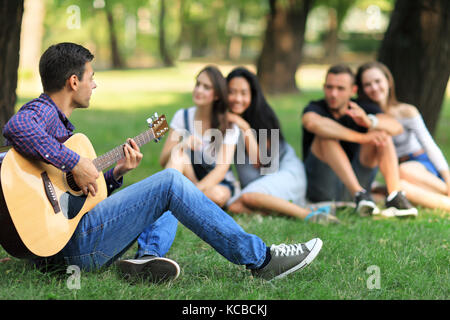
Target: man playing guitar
39,130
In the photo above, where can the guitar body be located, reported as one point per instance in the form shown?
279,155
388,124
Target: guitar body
40,209
41,206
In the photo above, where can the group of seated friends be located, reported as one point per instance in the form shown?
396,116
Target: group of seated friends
345,142
231,125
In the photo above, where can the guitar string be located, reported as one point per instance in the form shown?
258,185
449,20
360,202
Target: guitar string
111,157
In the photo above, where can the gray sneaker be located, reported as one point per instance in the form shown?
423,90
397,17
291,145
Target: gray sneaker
288,258
153,268
365,205
399,206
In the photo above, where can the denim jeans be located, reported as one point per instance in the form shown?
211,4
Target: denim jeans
325,185
157,239
112,226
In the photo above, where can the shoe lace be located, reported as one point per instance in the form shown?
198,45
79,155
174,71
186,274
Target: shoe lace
286,250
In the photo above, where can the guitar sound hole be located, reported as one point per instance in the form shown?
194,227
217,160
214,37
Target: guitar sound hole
71,182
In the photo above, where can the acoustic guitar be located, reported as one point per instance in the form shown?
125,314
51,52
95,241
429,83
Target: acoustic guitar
41,206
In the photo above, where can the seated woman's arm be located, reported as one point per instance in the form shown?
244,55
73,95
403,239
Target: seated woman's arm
431,148
172,140
223,162
251,144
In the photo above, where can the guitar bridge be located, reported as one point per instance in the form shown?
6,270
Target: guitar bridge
50,192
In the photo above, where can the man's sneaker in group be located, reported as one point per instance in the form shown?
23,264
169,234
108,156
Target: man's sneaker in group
286,259
323,215
397,205
155,269
365,205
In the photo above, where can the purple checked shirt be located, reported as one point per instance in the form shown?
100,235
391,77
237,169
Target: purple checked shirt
38,131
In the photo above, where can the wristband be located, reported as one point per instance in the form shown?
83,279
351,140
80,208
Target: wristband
373,121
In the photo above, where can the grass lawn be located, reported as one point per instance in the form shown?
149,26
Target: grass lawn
411,256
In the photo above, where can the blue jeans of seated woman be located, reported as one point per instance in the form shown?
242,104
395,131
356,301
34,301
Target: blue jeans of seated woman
110,228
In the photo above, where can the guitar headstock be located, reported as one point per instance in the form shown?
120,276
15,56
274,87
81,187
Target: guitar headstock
158,125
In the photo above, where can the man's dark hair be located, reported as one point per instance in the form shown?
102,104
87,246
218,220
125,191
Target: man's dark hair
59,62
342,68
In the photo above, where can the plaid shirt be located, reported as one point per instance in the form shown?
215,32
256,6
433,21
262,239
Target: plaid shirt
38,131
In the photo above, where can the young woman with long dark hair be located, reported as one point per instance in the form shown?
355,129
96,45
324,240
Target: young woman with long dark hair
272,177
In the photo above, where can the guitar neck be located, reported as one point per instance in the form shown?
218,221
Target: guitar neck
158,128
111,157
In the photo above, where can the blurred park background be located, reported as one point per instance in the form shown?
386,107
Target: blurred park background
147,54
288,43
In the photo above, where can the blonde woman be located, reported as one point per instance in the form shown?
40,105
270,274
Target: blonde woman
424,171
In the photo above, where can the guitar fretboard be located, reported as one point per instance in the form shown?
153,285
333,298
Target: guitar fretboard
111,157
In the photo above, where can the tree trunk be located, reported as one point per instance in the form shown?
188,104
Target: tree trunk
337,11
283,42
235,48
416,48
331,39
116,59
10,25
165,56
183,44
31,36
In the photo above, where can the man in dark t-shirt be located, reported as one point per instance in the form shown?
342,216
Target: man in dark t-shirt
321,107
344,143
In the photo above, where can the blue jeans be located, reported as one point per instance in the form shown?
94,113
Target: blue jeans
325,185
157,239
110,228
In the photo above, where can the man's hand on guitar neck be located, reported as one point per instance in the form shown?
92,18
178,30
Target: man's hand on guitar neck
85,175
133,157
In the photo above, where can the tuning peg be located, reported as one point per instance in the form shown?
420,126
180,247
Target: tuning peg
155,116
150,122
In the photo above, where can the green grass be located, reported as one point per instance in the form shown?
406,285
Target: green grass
412,254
